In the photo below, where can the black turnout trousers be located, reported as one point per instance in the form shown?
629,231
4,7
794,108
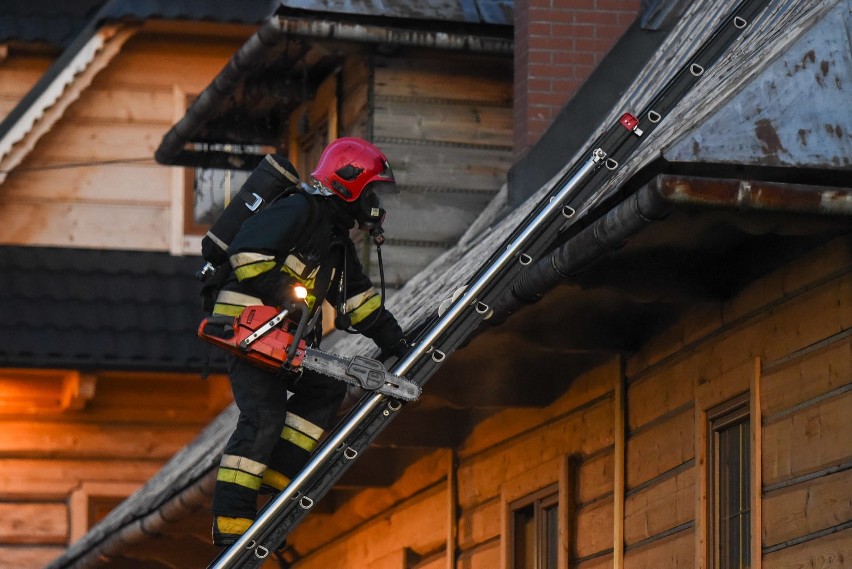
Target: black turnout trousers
275,433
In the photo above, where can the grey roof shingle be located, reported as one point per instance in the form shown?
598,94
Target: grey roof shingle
45,21
499,12
90,309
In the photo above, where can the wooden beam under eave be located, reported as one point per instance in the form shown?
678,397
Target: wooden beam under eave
506,369
77,390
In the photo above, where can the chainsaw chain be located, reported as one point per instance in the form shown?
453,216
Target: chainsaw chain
393,386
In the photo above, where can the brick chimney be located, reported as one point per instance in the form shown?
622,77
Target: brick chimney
557,45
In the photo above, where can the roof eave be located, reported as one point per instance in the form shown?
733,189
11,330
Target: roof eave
652,203
279,28
57,89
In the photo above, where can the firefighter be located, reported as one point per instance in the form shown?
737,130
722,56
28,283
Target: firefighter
302,238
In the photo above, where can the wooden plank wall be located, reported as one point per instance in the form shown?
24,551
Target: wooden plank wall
19,71
445,122
785,340
55,452
354,115
92,180
401,526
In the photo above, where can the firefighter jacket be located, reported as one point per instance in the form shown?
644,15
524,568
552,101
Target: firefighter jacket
304,239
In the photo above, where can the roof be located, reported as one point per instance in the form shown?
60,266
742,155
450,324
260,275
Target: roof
243,106
100,310
45,21
243,12
497,12
663,243
765,115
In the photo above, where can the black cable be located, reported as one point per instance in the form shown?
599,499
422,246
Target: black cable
69,165
381,270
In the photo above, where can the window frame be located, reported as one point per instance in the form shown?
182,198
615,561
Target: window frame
86,504
733,412
541,501
553,477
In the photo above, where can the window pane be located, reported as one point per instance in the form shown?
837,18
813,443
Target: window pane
524,538
214,189
534,535
733,495
551,536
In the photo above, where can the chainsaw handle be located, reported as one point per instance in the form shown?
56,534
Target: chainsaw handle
298,334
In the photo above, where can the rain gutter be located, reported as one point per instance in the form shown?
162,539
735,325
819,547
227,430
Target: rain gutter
155,523
277,29
651,203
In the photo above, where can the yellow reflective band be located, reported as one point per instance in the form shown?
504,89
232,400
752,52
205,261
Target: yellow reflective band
233,526
248,271
366,309
303,425
275,479
240,259
294,266
228,309
301,440
239,477
297,268
308,283
354,302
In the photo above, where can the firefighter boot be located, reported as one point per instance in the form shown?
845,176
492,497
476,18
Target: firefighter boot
226,531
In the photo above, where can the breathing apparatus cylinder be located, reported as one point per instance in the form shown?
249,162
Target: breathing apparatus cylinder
270,179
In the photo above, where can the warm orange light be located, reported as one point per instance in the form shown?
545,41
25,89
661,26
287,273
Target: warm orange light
300,292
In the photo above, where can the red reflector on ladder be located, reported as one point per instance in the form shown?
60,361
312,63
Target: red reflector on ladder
631,123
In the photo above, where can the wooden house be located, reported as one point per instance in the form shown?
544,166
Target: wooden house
99,364
668,386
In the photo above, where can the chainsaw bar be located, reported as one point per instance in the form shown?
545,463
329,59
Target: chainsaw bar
363,372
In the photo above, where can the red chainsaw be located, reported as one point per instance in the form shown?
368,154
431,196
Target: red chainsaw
272,339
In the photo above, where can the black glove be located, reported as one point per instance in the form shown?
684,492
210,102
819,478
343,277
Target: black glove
400,348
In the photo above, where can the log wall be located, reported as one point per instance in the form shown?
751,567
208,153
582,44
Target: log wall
64,460
19,71
91,181
445,122
636,496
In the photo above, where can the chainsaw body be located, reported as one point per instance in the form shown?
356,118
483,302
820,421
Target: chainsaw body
271,340
244,335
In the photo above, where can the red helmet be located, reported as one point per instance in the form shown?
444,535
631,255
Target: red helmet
348,165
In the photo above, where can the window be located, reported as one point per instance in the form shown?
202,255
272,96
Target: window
91,501
534,529
210,190
729,484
